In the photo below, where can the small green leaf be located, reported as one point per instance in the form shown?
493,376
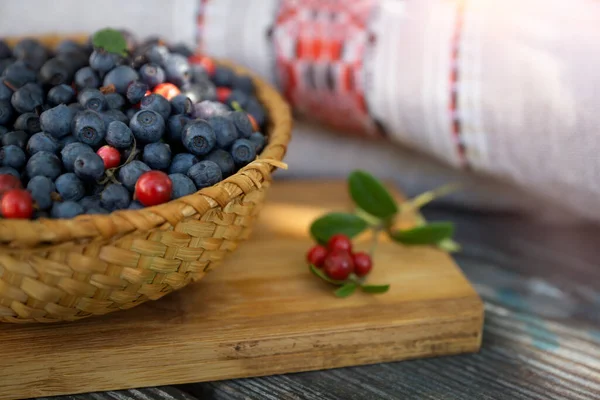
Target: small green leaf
330,224
449,245
110,40
236,106
324,277
369,194
431,233
346,290
375,288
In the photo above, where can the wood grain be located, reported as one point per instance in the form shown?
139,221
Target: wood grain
261,313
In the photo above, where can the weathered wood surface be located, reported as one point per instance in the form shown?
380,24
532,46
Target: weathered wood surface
541,287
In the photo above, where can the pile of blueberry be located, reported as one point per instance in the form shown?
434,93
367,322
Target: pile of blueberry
87,130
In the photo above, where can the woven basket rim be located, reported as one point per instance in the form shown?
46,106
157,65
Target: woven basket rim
29,234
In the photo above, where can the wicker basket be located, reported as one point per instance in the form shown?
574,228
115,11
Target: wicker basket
64,270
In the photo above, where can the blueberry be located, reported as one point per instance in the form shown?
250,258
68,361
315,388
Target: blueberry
27,98
255,109
242,123
156,102
178,69
60,94
6,112
182,104
70,187
182,162
5,63
10,171
66,141
121,77
119,135
130,173
224,130
181,48
70,152
55,72
157,155
12,156
130,113
239,97
66,209
201,91
86,77
243,83
57,121
258,139
114,101
28,122
224,160
135,205
182,186
157,54
90,202
102,61
32,52
199,74
89,166
5,50
41,188
115,197
41,141
18,74
152,75
18,138
92,99
68,46
175,125
224,76
136,91
3,130
5,92
75,107
75,60
207,109
147,126
243,151
198,137
205,173
43,163
89,128
114,115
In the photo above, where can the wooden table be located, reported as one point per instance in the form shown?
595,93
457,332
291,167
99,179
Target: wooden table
541,286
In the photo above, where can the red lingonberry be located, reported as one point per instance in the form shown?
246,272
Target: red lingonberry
207,63
110,156
316,255
223,94
339,242
153,188
338,265
8,182
255,127
362,263
167,90
17,203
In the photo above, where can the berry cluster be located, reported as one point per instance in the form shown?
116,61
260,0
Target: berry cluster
337,259
87,130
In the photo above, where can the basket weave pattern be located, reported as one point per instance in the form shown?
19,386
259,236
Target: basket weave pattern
63,270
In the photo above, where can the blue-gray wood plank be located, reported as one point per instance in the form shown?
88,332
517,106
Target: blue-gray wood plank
541,287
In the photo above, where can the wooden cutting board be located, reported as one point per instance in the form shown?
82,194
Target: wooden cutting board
259,313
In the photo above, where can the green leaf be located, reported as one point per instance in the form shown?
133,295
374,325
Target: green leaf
449,245
330,224
236,106
346,290
324,277
369,194
375,288
431,233
110,40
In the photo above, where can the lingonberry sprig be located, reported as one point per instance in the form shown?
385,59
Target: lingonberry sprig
333,260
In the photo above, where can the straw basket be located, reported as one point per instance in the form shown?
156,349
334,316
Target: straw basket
63,270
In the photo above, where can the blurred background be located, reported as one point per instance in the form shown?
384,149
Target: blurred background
501,95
